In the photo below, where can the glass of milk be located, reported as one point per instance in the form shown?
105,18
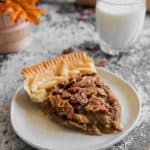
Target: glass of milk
119,23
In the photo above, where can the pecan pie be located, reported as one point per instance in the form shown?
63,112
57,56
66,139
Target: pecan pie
72,93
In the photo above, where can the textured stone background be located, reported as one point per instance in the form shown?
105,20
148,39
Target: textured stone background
60,30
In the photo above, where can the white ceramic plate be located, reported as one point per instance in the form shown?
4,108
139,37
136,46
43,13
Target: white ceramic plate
31,125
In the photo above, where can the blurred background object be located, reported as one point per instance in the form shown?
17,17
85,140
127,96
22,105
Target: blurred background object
92,3
148,5
124,18
86,2
13,36
15,17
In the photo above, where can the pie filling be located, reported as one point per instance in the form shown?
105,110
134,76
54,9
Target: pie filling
86,103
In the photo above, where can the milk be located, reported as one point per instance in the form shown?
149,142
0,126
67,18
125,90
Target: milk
119,25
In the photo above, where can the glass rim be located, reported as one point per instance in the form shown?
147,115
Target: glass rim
126,2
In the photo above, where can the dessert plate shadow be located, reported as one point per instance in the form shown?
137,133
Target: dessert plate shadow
36,129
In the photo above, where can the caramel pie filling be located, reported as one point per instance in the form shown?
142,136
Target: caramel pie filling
86,103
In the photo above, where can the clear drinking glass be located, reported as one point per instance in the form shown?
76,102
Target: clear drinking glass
119,23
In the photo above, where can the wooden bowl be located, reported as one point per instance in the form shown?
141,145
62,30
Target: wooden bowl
86,2
148,5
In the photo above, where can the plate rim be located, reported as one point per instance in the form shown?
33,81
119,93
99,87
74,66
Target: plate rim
96,146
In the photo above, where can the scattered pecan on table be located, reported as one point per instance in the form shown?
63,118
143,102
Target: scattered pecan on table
81,18
87,12
90,46
68,50
102,62
84,14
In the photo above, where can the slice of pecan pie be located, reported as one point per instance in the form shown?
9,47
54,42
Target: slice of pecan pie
72,93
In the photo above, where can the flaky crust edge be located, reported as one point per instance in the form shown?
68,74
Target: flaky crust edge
53,67
75,59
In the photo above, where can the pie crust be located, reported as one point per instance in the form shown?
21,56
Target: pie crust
38,79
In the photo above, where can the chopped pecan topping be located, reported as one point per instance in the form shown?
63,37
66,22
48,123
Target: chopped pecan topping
62,107
74,89
101,92
80,118
78,125
65,95
81,98
97,105
89,91
93,130
84,102
86,81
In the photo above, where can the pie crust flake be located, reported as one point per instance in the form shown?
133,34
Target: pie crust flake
71,92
